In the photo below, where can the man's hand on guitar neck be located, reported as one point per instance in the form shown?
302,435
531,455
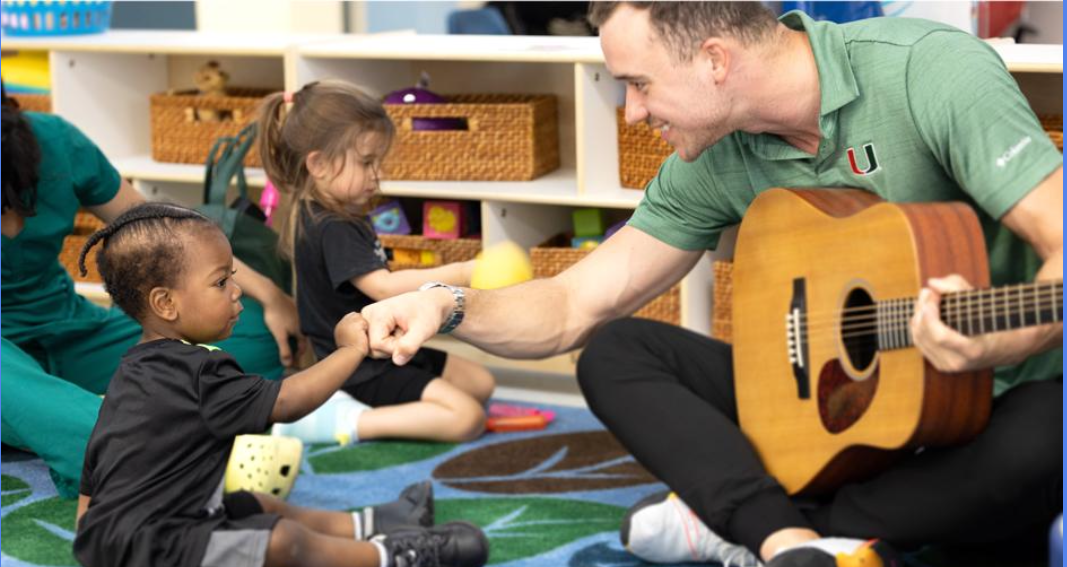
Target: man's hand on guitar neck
951,351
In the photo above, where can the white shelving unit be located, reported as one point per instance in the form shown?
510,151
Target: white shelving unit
102,84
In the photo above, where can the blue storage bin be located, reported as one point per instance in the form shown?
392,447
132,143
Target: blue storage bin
37,18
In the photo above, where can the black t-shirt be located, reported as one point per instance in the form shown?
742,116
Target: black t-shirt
156,458
329,253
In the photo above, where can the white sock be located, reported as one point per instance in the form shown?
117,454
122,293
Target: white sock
382,553
357,526
336,421
352,417
831,545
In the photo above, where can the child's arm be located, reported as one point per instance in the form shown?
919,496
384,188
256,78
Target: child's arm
301,393
383,284
83,505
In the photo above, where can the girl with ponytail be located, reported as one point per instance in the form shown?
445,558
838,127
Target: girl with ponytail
322,147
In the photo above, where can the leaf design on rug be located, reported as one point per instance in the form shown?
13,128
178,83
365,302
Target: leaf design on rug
12,489
526,527
603,555
570,462
41,533
333,459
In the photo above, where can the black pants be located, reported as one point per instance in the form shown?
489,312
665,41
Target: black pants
668,395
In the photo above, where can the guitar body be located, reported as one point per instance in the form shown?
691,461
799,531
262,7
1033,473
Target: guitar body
845,410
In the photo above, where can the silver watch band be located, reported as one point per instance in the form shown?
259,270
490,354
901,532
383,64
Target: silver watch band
458,309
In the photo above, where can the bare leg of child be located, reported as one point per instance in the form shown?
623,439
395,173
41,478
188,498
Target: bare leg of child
470,377
445,413
293,545
457,544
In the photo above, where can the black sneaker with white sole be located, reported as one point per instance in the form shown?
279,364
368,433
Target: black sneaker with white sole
455,544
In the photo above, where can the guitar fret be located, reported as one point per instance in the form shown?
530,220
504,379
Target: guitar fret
900,325
1037,303
959,317
992,316
1057,291
1022,306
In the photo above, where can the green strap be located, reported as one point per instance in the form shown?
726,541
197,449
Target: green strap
225,162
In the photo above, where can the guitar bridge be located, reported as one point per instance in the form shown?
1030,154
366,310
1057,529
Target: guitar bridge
796,338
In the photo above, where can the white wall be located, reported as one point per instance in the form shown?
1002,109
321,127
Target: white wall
299,16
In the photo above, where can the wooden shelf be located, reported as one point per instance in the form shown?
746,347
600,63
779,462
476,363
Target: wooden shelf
145,168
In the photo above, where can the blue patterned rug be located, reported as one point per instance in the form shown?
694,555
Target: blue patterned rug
549,498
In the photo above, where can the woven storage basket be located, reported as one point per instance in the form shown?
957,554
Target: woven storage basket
722,327
641,152
447,251
176,139
1054,128
509,138
34,102
85,224
556,255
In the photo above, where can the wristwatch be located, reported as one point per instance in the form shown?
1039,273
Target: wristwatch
456,316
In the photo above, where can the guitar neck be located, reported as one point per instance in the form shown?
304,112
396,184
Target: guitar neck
976,312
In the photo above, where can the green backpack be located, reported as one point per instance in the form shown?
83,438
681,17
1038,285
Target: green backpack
253,242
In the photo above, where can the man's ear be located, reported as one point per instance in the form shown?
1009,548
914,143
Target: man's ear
162,303
716,54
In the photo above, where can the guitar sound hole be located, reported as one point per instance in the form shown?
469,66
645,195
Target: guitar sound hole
858,329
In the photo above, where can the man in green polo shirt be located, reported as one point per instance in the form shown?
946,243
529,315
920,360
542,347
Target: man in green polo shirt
907,109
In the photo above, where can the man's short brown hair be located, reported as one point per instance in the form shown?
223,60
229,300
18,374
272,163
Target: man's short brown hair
685,25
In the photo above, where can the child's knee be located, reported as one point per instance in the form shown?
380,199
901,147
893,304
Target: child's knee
469,423
288,544
483,384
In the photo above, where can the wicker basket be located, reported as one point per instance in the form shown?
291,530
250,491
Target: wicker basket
509,138
34,102
1053,126
176,138
722,326
556,255
445,251
85,224
641,152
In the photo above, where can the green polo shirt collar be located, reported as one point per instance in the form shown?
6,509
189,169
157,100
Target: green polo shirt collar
837,88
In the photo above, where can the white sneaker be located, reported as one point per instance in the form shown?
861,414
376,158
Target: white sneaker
662,529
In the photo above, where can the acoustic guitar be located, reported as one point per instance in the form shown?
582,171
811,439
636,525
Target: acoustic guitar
830,388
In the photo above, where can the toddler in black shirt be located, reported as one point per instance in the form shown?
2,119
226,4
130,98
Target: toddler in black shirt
151,487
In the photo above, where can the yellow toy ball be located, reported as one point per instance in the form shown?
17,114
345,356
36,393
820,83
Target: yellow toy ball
501,265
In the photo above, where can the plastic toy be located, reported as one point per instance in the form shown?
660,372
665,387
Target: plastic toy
508,410
444,220
586,242
389,218
518,423
505,418
588,222
420,94
501,265
262,463
268,201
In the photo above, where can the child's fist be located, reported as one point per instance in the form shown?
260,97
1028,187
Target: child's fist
352,332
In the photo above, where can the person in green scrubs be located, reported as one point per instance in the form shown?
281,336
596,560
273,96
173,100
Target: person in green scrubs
59,351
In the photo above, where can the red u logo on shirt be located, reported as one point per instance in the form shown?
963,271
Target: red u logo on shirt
872,160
